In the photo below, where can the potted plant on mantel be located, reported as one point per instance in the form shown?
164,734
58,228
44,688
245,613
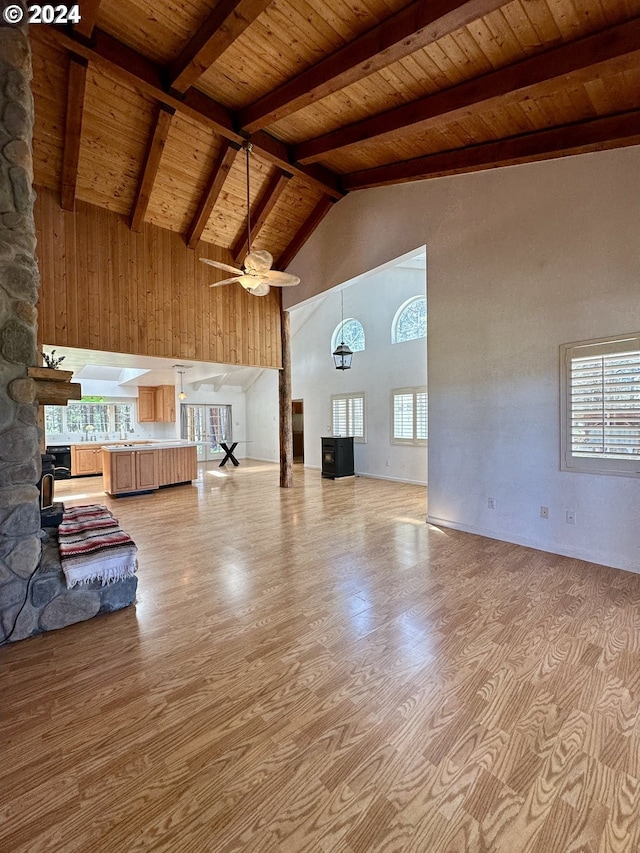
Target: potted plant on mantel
54,386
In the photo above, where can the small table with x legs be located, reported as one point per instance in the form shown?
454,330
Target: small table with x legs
228,454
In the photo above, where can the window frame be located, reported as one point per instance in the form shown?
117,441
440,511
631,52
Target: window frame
353,395
398,316
414,391
616,466
69,428
336,337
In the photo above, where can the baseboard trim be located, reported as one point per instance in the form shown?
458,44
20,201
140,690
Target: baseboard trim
377,477
393,479
613,561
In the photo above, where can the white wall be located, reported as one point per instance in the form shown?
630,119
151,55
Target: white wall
521,260
373,300
263,428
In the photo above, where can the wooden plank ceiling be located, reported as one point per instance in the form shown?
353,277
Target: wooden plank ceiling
144,107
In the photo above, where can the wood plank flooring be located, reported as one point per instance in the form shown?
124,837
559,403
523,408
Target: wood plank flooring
318,670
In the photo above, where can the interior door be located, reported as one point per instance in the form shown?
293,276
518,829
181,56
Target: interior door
208,426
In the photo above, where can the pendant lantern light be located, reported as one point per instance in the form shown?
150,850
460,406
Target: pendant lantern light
342,355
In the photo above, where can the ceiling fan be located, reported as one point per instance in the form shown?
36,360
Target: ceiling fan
256,277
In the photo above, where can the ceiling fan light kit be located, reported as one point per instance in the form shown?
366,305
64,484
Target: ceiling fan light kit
256,277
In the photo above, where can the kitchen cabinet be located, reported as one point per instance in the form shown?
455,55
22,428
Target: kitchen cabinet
130,471
166,403
177,465
146,404
156,403
85,460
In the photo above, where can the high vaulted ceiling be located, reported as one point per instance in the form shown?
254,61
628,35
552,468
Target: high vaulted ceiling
143,107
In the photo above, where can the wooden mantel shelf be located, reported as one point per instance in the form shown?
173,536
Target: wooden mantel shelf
54,387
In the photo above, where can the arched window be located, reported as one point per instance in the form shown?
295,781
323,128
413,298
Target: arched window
351,332
410,321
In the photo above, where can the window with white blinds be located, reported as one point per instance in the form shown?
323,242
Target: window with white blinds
600,384
347,415
409,416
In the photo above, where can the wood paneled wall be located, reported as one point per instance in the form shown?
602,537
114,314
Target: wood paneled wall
107,288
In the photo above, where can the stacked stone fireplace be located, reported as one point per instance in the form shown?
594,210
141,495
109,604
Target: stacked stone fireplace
33,592
20,464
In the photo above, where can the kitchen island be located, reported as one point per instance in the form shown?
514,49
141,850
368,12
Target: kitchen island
130,468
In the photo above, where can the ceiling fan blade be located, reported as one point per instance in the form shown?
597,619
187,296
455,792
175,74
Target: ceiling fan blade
224,281
220,266
280,279
258,260
261,290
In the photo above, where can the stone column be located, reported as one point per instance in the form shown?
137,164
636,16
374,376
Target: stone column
20,546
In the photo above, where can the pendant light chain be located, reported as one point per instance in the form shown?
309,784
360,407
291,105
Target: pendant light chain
342,354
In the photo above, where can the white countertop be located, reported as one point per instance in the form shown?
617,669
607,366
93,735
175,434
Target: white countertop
151,445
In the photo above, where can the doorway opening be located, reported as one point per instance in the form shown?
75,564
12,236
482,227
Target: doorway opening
297,421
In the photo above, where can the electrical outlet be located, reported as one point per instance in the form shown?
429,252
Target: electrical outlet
571,516
491,503
544,512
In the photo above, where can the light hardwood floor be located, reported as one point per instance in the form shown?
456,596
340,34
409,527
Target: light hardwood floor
317,669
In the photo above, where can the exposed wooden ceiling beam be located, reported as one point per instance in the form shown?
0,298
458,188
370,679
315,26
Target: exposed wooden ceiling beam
73,130
225,24
407,31
210,195
89,11
151,164
598,134
314,219
147,78
266,204
570,63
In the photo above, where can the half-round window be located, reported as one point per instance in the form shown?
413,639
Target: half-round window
410,321
351,332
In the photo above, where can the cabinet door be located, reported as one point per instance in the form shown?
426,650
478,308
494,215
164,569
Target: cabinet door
166,403
146,404
84,461
146,469
123,472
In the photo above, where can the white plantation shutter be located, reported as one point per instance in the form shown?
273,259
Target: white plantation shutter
421,415
348,415
340,416
601,406
355,409
409,415
403,416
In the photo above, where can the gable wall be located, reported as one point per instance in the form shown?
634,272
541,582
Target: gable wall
520,260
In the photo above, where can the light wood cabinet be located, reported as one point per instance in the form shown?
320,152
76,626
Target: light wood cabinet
130,471
177,465
85,460
166,403
146,404
156,403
